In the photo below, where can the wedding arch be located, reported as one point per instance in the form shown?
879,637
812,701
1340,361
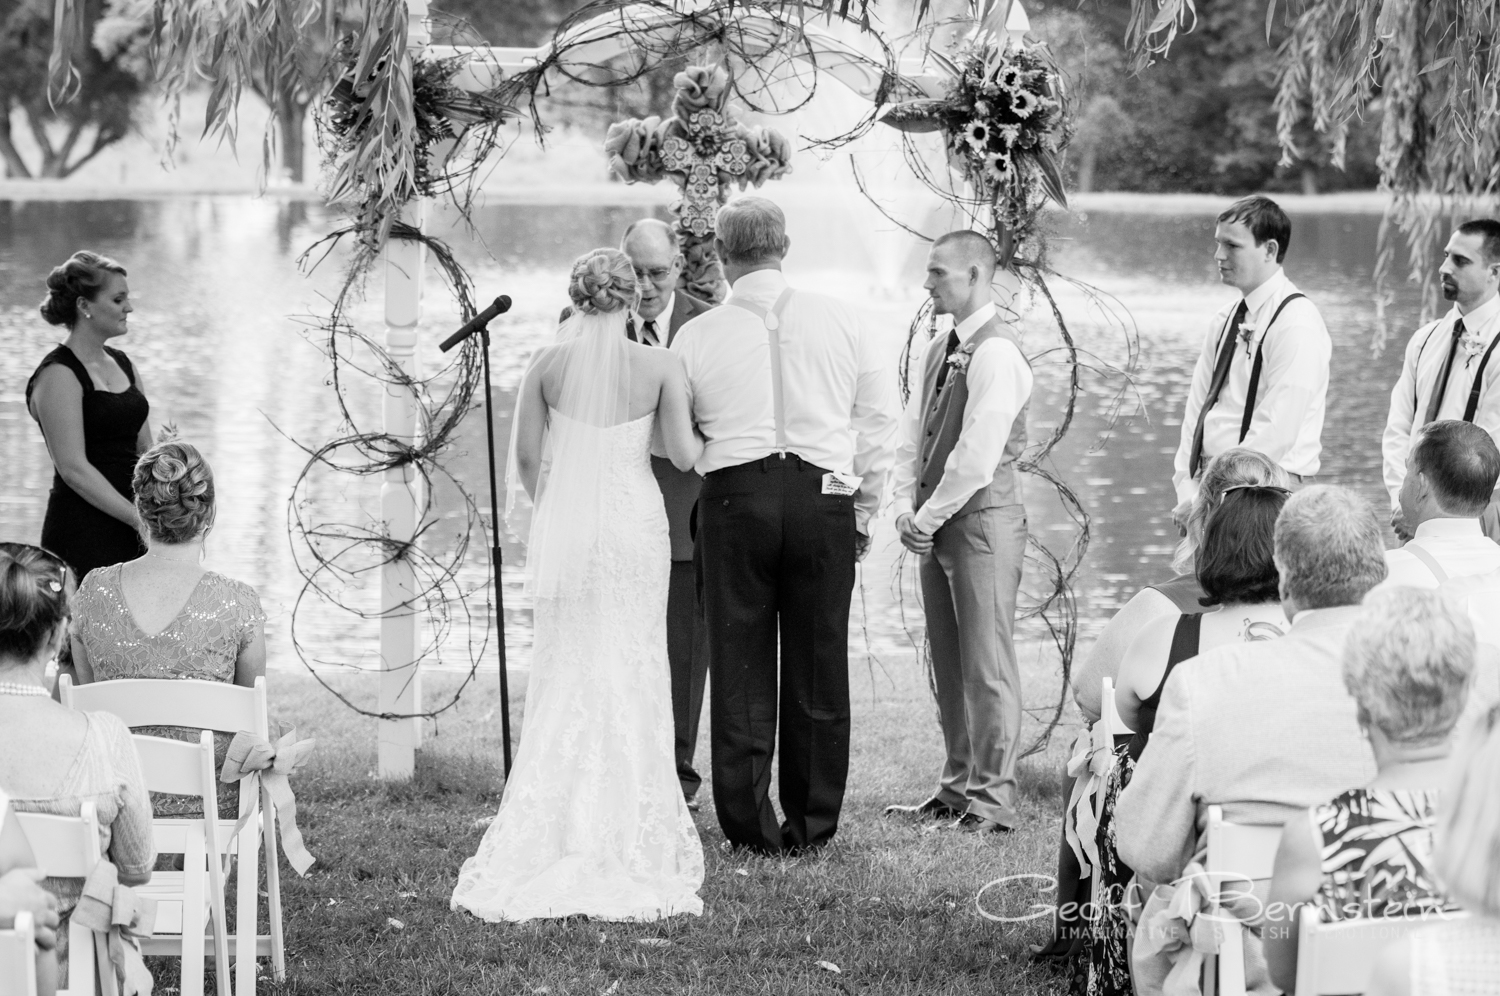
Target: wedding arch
406,121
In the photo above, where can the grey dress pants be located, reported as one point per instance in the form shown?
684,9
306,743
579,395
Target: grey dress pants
969,585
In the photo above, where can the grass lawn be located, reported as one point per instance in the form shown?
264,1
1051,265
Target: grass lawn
889,904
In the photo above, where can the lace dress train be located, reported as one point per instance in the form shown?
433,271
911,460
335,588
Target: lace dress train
593,820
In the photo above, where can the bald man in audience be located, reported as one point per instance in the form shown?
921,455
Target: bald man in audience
1450,476
959,507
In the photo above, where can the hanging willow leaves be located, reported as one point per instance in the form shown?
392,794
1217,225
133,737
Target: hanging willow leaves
1432,65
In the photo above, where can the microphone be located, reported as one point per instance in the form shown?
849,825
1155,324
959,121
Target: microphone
479,321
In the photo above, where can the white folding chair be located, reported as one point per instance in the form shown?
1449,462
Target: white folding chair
1109,726
1109,713
18,957
68,847
1337,958
186,899
1236,852
223,708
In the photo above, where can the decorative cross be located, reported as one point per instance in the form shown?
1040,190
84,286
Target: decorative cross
705,152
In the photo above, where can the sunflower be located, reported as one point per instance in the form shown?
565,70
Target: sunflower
997,167
977,134
1010,78
1023,102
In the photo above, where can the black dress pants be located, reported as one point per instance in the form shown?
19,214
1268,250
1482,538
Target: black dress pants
777,558
687,655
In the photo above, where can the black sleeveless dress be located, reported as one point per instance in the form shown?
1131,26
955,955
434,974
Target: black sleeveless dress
82,535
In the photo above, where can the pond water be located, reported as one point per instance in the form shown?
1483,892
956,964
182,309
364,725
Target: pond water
221,334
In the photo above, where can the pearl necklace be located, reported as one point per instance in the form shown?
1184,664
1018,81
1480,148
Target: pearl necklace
23,688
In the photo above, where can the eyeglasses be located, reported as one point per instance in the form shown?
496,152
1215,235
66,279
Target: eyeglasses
1252,487
656,274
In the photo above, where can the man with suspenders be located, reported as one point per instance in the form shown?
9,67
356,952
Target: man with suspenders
1448,371
1261,380
798,406
1450,477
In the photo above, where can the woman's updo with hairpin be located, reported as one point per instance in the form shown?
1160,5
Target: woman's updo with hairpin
174,492
603,281
83,275
33,599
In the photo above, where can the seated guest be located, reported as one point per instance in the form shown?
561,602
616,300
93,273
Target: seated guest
21,892
163,615
1263,729
1450,477
1367,852
53,759
1459,957
1241,602
1233,468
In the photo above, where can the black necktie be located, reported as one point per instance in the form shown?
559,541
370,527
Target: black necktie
1216,386
1435,400
942,377
648,332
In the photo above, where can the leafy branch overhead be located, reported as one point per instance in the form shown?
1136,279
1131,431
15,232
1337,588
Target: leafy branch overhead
1432,68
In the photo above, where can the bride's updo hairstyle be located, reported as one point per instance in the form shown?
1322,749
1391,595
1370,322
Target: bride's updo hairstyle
174,492
33,599
83,275
602,281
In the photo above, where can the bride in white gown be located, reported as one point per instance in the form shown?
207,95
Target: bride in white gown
593,820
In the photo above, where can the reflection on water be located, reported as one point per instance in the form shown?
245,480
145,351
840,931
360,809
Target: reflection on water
224,354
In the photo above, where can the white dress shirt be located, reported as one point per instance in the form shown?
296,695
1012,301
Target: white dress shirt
662,322
1420,372
1290,398
1459,546
837,388
999,381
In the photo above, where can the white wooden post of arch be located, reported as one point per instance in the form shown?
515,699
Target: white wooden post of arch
592,43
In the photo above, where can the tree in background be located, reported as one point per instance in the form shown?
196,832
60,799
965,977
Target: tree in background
110,62
1203,121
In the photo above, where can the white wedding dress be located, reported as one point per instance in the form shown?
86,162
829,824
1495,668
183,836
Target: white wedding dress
593,820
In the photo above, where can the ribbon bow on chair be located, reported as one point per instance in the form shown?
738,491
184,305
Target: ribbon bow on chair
1088,767
112,909
252,756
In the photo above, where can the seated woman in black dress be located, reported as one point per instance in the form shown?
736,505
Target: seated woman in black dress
87,398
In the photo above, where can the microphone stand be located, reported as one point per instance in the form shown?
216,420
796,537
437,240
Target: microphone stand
495,558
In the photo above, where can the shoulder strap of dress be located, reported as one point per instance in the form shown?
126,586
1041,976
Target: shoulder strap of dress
124,362
64,356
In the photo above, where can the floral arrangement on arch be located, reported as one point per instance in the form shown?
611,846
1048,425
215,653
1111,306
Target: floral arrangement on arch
704,151
1005,124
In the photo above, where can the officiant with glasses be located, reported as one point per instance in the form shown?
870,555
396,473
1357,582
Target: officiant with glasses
1449,371
656,255
1261,380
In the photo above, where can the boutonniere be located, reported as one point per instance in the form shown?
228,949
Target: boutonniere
959,361
1247,335
1472,345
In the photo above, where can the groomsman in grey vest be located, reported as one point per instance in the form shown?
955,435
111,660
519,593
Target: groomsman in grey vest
959,507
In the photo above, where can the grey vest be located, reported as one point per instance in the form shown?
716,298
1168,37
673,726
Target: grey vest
944,419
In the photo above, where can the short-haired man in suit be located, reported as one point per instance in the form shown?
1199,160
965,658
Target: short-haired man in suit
654,251
959,507
1261,380
1448,372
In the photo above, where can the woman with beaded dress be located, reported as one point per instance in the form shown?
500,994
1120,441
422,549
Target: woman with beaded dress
88,400
163,615
593,820
53,759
